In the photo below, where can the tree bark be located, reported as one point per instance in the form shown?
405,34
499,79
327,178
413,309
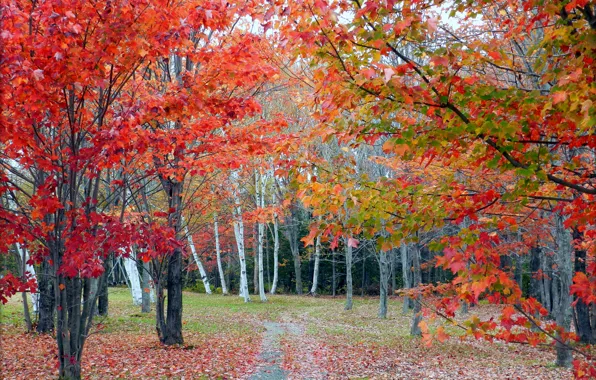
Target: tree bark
146,301
315,274
202,272
130,265
349,285
292,231
582,310
170,333
102,297
275,253
239,235
333,275
405,265
45,323
563,308
384,281
260,200
224,287
416,279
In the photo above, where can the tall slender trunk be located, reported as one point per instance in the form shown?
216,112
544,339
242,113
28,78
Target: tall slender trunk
405,268
315,274
546,285
29,270
563,310
102,297
275,253
363,275
333,275
255,273
392,271
224,287
239,235
202,272
292,231
416,280
130,264
349,285
146,301
384,281
260,198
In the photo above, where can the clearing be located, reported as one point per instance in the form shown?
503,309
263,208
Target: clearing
295,337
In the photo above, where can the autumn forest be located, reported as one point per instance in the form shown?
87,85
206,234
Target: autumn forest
313,189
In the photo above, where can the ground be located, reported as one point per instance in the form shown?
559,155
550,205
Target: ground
288,337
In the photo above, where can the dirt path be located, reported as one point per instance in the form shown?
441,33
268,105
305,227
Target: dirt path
272,355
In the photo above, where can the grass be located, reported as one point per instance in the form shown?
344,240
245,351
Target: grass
331,334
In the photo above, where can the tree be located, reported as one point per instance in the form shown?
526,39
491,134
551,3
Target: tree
455,93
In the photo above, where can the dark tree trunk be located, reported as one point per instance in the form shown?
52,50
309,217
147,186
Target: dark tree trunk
146,300
45,324
102,297
582,310
333,275
292,231
173,333
535,283
416,281
173,327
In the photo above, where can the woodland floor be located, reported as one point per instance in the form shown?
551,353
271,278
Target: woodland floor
288,337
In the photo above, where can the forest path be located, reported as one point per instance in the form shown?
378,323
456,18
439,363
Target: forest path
272,355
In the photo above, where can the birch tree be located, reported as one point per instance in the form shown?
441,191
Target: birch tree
224,287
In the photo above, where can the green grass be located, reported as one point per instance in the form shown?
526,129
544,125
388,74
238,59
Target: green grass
323,319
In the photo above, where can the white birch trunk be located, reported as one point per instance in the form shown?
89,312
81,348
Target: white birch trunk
202,272
315,275
224,287
132,272
405,275
30,270
239,235
349,286
260,198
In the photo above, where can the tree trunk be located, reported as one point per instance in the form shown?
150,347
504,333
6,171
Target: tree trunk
582,310
26,270
416,279
405,265
315,274
292,230
255,272
333,275
384,281
275,253
563,308
102,297
222,279
45,323
363,276
130,265
239,234
202,272
171,332
349,286
392,271
145,276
